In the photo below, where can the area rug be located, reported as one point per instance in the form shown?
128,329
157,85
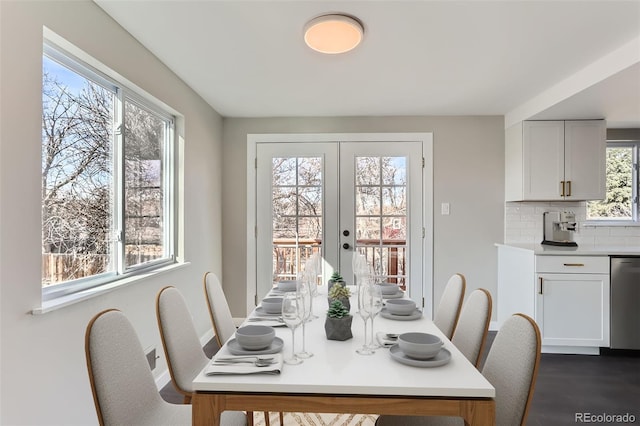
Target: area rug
317,419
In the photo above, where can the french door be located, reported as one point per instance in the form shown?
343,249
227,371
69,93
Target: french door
335,197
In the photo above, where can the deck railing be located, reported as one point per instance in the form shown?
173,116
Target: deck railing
388,257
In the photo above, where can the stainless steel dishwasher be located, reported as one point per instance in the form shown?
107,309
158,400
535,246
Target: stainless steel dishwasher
625,302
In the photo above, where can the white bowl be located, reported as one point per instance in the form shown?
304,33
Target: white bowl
401,306
255,337
419,345
272,305
388,288
287,285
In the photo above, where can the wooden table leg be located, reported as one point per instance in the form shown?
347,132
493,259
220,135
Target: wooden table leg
207,409
480,412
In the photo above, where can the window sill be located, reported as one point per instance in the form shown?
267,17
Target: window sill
610,223
71,299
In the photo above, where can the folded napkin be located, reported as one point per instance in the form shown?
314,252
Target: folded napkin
214,369
384,341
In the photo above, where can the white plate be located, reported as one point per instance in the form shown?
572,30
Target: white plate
417,314
442,358
397,295
235,348
260,312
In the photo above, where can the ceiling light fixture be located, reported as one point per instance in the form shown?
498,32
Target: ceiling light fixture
334,33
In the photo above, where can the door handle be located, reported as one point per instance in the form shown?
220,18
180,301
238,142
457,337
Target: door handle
540,292
345,232
562,188
568,188
346,246
573,264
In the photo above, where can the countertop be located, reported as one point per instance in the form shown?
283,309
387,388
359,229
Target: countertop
581,250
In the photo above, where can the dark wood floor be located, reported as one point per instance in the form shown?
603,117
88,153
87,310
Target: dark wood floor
608,384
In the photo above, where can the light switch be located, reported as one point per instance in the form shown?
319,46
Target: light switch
445,208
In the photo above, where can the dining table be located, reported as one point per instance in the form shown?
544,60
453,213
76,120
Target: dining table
337,379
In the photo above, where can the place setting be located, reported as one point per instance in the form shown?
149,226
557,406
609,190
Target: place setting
390,291
255,349
269,312
401,310
418,349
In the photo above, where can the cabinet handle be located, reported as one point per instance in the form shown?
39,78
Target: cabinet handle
568,188
540,292
573,264
562,188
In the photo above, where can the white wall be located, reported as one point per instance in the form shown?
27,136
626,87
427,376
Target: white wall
43,371
468,174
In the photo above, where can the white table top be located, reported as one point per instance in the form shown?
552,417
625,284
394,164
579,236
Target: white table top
336,368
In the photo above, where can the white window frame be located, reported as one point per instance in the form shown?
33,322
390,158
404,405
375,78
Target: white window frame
169,184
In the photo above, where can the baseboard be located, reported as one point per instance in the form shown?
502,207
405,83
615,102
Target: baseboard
163,378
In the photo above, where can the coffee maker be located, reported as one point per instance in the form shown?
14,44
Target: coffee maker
558,228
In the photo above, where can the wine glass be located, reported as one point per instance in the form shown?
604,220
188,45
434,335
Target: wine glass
364,310
376,307
306,297
292,312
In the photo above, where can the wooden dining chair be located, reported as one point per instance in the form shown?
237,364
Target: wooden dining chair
124,391
511,367
183,352
448,311
473,325
223,326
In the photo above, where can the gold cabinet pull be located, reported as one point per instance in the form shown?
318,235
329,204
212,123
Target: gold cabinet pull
573,264
540,292
568,188
562,188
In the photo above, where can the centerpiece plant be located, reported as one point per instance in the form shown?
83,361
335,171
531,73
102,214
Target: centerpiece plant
339,291
335,278
337,326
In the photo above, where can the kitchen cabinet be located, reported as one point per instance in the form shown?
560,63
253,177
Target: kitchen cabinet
567,295
572,300
555,160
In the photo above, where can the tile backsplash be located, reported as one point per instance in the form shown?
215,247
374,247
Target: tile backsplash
523,225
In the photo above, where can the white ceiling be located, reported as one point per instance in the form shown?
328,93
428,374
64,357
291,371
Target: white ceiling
248,59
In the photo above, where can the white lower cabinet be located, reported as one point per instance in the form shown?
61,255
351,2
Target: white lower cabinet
572,303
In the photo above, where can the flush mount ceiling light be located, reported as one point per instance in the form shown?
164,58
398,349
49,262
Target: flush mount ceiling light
335,33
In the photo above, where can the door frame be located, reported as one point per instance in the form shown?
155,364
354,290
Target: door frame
427,197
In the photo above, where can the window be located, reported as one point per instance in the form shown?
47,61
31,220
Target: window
107,178
621,202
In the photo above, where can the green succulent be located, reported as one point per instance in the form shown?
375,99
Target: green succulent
337,310
339,290
336,276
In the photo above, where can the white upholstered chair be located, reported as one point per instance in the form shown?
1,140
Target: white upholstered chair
473,325
448,310
124,391
511,367
184,354
223,326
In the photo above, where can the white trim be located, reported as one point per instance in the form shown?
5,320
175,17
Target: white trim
73,298
425,138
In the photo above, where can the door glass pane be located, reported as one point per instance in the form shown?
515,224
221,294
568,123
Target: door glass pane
297,213
381,214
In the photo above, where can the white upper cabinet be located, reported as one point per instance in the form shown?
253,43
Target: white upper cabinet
555,160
